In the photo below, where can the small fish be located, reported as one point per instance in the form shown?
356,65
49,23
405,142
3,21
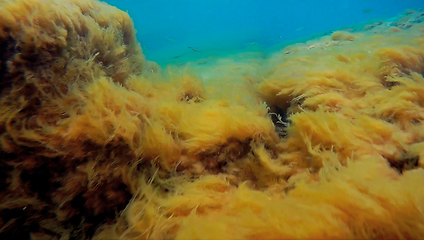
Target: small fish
298,29
368,10
277,37
252,43
171,39
192,48
178,56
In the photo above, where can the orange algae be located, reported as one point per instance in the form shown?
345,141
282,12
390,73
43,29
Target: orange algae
347,167
320,141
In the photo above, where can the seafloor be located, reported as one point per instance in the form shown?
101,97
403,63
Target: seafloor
319,140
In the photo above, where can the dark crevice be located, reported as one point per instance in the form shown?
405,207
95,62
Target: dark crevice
279,117
404,164
7,51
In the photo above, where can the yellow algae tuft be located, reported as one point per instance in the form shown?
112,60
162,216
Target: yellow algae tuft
395,29
364,199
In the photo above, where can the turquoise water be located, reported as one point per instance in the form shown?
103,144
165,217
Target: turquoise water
167,28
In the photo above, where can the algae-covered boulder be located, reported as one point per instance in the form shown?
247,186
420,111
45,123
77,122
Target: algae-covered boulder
48,48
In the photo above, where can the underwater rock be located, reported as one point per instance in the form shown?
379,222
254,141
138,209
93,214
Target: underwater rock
342,36
48,48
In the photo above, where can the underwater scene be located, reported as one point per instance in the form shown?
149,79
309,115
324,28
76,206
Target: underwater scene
209,120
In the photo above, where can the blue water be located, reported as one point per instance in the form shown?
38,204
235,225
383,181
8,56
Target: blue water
166,28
